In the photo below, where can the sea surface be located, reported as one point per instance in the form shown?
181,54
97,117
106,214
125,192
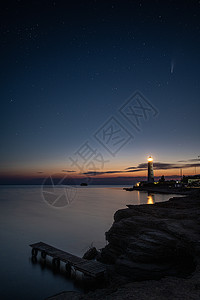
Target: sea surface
69,218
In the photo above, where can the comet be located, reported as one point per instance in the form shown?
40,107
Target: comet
172,67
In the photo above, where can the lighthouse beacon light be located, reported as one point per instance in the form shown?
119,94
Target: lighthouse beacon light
150,158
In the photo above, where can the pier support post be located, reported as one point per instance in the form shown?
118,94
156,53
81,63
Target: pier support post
68,269
56,262
34,252
43,254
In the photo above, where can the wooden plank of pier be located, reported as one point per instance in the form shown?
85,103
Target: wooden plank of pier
88,267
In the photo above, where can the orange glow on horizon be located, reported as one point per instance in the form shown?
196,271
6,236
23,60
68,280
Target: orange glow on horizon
142,173
114,170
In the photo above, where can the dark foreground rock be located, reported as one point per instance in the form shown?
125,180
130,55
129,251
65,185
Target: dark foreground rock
153,241
164,289
153,252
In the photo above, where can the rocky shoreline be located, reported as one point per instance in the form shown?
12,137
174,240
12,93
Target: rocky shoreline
152,252
163,190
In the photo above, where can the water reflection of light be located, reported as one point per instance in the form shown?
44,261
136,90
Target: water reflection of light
150,199
138,197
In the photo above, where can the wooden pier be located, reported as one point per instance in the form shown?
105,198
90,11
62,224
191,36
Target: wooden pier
87,267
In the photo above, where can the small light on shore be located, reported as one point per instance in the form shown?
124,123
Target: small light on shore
150,158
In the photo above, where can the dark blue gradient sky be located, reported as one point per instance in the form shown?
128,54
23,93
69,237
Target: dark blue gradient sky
66,68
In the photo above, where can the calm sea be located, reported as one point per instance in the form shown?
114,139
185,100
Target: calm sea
71,219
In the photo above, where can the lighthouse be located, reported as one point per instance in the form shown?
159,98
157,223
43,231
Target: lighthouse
150,170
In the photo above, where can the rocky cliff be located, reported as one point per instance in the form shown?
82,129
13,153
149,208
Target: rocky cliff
153,241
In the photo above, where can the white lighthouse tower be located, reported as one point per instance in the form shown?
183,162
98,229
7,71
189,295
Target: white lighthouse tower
150,170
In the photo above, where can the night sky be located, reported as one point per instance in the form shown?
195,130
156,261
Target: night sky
91,88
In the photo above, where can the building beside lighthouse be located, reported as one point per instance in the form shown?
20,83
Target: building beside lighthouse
150,170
